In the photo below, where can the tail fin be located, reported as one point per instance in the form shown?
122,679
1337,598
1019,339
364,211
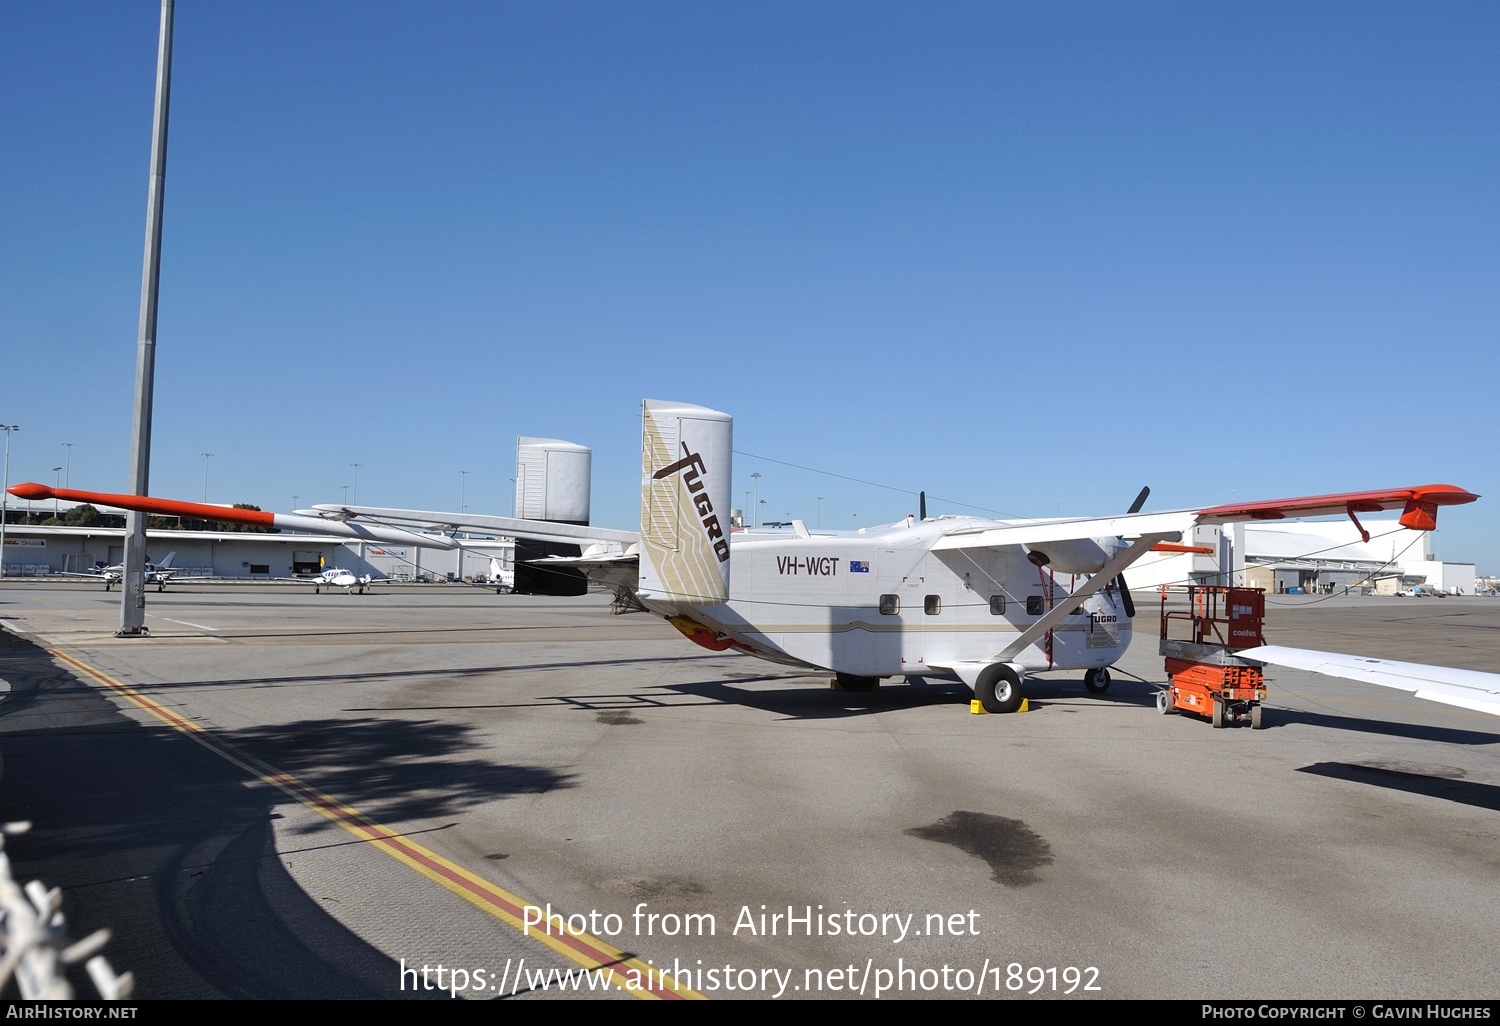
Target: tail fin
685,488
166,564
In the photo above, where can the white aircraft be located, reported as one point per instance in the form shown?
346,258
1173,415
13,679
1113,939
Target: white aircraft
985,601
336,577
156,573
499,576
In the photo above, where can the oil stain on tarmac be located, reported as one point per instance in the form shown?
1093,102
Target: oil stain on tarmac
1013,850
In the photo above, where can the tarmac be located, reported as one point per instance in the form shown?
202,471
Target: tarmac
282,794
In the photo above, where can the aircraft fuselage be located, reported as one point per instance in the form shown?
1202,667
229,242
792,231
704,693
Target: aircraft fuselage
882,603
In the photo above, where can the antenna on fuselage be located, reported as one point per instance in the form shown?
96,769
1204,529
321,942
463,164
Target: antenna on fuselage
922,505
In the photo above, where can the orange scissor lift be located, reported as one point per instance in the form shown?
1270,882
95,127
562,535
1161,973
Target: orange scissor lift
1201,628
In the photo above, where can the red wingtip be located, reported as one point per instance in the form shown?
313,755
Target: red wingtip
1443,495
30,490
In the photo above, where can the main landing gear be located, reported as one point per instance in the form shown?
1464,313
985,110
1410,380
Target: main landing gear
849,682
998,689
1097,681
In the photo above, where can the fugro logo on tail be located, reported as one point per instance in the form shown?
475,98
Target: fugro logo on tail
685,480
692,470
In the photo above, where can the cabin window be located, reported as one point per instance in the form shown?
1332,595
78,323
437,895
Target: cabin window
890,605
1035,605
997,605
932,605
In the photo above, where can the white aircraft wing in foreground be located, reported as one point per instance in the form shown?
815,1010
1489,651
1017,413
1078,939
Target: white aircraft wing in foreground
1467,689
510,527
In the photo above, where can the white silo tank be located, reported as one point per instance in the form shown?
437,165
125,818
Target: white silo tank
552,480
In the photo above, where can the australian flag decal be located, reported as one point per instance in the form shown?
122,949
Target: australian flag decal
859,566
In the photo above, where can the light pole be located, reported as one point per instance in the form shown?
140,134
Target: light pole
355,500
133,565
463,483
346,495
820,511
206,457
5,495
756,508
294,504
68,464
760,512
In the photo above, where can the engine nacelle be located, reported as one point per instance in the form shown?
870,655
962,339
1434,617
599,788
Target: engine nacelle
1074,556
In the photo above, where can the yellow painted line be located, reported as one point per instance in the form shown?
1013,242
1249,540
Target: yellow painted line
583,949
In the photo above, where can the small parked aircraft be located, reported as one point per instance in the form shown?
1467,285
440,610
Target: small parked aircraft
985,601
156,573
336,577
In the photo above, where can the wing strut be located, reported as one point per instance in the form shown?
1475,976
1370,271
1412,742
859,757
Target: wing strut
1107,573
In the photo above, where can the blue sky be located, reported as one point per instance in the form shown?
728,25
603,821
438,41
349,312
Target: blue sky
1023,256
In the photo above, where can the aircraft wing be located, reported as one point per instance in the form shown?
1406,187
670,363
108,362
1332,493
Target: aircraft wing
1169,525
1467,689
511,527
1419,507
228,514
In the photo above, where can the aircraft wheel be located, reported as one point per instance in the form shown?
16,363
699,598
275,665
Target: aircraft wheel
1218,715
106,587
1255,720
317,590
1164,703
1097,681
998,689
850,682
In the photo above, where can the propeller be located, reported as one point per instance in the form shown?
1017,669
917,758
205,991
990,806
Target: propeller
1135,507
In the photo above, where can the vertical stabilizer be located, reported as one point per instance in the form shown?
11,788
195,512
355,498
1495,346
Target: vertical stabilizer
685,487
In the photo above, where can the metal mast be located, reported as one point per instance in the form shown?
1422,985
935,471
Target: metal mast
133,594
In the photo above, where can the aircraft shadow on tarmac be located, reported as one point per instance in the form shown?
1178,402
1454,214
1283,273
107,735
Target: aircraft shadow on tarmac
155,837
1464,792
148,833
815,700
394,769
1277,717
381,675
